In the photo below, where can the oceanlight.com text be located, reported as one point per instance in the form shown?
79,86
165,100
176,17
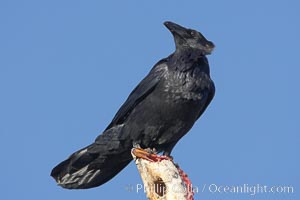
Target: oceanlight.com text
247,189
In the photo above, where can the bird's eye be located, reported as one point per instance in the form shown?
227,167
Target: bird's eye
193,33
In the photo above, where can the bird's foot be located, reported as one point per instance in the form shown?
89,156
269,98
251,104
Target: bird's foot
148,155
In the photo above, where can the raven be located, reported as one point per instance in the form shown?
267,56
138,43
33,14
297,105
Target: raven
158,112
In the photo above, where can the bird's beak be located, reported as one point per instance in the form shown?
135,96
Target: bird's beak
175,28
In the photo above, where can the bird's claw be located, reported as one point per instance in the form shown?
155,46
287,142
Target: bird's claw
147,155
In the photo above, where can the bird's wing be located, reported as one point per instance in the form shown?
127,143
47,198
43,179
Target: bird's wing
208,95
142,90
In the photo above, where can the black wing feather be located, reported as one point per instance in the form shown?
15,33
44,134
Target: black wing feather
142,90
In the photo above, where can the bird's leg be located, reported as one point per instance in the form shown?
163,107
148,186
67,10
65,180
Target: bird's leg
168,150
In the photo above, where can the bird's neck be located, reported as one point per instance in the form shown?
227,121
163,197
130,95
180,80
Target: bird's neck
186,59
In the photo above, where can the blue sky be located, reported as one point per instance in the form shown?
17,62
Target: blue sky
67,66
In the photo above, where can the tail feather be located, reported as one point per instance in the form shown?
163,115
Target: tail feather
95,164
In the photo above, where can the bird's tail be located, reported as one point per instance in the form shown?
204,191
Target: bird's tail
95,164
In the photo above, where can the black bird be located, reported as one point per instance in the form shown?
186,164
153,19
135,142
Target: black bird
158,112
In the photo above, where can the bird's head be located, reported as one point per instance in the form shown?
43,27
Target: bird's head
188,38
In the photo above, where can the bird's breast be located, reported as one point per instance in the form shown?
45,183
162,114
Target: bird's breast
184,85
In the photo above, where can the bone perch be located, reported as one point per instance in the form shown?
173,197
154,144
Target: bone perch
163,179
